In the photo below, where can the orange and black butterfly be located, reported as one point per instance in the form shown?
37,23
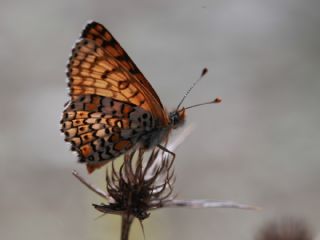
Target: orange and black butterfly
113,108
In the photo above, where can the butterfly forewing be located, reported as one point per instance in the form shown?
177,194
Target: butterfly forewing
104,39
99,53
92,71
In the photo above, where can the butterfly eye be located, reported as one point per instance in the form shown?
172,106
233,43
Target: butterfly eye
177,118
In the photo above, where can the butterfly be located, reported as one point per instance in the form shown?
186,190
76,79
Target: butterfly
113,108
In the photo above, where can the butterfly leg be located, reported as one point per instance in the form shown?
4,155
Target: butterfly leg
167,150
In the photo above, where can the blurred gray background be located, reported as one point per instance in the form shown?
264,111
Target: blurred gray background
260,146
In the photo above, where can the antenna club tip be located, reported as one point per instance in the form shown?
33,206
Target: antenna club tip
204,71
217,100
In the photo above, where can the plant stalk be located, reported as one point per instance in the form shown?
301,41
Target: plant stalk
126,223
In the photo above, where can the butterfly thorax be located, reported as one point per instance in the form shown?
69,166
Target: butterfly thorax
177,118
160,133
155,137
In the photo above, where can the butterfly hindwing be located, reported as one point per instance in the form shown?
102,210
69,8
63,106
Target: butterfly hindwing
100,129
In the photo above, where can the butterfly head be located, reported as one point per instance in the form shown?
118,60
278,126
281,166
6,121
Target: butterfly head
177,118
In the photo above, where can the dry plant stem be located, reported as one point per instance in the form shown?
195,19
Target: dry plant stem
90,186
207,204
126,223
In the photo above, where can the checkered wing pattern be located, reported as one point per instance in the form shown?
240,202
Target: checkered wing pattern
112,104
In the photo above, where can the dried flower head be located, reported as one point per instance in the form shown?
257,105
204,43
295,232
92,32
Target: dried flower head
285,229
139,186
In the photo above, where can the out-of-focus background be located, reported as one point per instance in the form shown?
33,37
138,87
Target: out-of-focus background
260,146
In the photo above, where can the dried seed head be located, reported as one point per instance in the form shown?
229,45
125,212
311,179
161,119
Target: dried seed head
139,186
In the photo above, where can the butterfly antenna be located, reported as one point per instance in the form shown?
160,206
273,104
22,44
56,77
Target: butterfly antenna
204,71
217,100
